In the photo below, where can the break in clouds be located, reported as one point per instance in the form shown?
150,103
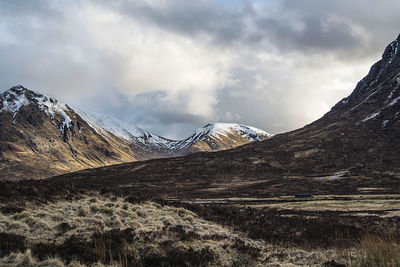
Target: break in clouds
171,66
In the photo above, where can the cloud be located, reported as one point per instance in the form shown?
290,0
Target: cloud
171,66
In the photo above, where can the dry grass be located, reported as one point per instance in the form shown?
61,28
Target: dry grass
27,260
375,252
359,205
88,215
157,231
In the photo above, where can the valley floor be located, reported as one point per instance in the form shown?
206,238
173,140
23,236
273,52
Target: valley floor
107,230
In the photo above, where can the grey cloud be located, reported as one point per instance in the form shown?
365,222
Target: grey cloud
342,28
320,35
210,19
356,28
20,8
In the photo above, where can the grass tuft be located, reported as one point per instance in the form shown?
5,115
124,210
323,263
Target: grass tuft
377,252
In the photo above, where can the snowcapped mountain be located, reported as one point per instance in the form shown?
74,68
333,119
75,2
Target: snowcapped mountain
219,136
105,124
215,136
211,137
17,97
40,137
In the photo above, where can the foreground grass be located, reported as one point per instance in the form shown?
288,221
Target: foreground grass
375,251
103,230
113,231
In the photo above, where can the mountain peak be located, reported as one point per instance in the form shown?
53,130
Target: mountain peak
19,89
18,92
391,54
214,133
387,68
389,65
376,99
15,99
224,128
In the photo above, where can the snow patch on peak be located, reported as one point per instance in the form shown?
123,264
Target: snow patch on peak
217,130
18,96
13,100
247,131
229,128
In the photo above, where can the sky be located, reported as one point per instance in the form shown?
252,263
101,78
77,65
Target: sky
171,66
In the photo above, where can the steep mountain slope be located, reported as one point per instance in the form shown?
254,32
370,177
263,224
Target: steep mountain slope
361,130
41,137
145,145
353,149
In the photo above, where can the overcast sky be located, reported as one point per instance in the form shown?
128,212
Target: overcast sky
171,66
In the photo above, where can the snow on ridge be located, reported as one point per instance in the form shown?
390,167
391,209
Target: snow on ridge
106,123
216,130
51,106
13,99
16,97
226,128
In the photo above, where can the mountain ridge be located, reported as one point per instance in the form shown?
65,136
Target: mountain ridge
36,129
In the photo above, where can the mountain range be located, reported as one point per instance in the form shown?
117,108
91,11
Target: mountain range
353,149
42,137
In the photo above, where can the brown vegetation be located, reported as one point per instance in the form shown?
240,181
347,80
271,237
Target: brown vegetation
112,231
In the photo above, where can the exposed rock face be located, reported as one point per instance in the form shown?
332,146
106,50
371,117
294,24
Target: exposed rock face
41,137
